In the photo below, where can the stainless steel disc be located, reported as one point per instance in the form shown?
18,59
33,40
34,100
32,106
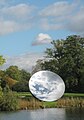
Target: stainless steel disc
46,86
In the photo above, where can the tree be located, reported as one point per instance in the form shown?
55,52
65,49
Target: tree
25,76
1,93
13,72
8,81
38,66
2,60
21,86
67,59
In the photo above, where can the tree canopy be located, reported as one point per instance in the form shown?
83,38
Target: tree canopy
67,60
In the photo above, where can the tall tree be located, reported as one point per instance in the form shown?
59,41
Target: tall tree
68,61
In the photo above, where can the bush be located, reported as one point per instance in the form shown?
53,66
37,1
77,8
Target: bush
8,101
21,86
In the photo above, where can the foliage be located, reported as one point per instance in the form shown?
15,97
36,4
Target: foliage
2,73
1,93
2,60
67,60
15,78
25,76
21,86
8,101
3,84
37,67
13,72
9,81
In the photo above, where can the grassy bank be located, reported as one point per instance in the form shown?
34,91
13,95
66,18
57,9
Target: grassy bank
27,101
28,94
73,95
61,103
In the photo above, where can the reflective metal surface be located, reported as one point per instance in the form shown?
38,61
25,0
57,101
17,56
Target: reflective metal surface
46,86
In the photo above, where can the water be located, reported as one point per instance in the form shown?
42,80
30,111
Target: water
44,114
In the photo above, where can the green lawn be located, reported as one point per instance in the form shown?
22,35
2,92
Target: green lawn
73,95
28,94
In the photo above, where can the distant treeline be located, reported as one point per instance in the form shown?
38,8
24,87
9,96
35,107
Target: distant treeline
16,79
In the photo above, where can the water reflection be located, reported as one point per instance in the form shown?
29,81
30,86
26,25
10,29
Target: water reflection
45,114
75,114
48,114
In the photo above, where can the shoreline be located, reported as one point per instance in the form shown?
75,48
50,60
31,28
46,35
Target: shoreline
61,103
26,101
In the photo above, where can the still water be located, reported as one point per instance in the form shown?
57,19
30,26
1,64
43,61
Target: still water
44,114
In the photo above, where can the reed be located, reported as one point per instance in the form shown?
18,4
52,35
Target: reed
61,103
30,104
70,102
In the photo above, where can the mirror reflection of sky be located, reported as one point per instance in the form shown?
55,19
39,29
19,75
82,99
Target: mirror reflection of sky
46,86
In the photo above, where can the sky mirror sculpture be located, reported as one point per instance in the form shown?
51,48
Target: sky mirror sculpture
46,86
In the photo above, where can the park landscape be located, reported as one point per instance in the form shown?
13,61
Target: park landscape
38,35
65,61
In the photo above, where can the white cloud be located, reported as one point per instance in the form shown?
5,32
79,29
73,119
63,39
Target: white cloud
15,17
18,11
58,9
42,39
76,23
63,15
26,61
12,26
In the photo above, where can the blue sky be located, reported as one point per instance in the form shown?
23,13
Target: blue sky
28,26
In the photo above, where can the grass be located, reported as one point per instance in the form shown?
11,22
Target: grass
68,100
28,94
49,104
73,95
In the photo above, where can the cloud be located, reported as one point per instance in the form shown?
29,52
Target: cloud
63,15
42,39
2,2
18,11
25,61
12,26
58,9
15,17
76,23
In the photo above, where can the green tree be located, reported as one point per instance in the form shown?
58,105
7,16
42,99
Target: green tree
25,76
1,93
13,72
2,60
67,59
21,86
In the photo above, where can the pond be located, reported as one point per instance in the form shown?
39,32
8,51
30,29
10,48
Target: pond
45,114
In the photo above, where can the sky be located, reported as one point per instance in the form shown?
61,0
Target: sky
27,28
